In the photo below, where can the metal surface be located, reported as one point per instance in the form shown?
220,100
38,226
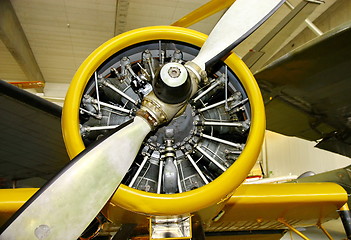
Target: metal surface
69,194
30,136
254,208
258,56
341,176
257,207
173,85
124,232
171,227
242,19
345,215
282,220
306,92
325,231
152,203
161,160
309,23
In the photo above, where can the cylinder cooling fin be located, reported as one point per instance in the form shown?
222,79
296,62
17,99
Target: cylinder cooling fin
202,154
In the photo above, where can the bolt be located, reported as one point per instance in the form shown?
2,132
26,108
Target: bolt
42,232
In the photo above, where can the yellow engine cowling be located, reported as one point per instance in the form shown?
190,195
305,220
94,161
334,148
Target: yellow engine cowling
211,194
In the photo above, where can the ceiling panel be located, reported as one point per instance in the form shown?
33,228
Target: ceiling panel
9,69
62,33
141,13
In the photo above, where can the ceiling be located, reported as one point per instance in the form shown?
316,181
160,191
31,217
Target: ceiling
62,33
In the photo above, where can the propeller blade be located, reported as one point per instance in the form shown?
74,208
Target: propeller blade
240,20
64,207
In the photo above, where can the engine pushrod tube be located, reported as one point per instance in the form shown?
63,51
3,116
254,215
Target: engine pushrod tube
97,91
180,189
216,104
138,171
160,172
143,70
236,145
226,88
161,55
112,87
132,72
242,102
232,152
210,158
98,128
215,84
213,123
198,170
90,113
149,62
112,106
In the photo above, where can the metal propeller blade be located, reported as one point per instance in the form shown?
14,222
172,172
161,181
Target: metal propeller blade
240,20
64,207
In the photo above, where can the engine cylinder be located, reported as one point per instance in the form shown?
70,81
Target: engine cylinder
214,142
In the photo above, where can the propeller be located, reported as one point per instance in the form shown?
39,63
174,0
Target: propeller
65,206
239,21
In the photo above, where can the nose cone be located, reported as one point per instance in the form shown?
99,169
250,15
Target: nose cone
173,74
173,85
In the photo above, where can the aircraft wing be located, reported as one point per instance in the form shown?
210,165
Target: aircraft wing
263,211
31,143
307,91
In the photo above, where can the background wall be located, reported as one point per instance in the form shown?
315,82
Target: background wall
284,155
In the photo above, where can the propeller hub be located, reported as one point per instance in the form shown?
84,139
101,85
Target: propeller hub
173,85
173,74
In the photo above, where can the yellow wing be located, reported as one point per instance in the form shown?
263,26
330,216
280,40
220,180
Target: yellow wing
251,208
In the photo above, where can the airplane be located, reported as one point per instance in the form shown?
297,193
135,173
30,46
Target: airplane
161,198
